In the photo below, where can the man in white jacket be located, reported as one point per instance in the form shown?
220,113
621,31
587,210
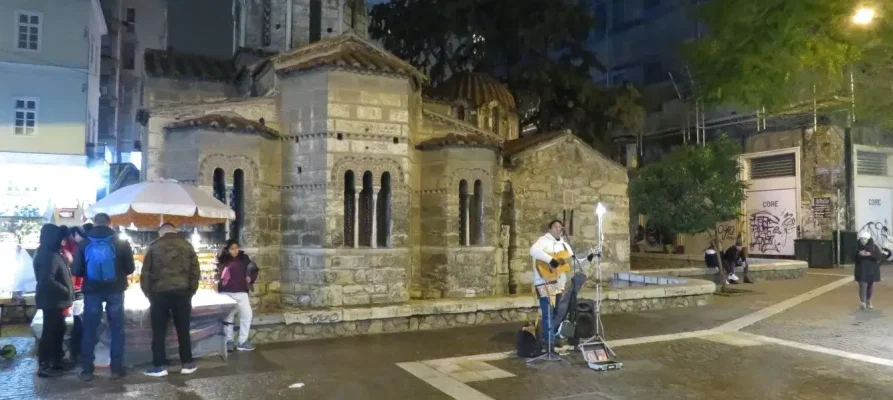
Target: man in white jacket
551,243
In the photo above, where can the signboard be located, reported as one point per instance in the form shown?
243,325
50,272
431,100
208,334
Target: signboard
873,212
821,207
772,215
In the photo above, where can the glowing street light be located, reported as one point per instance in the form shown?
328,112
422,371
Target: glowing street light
863,16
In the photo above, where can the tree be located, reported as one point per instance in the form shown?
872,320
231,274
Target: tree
538,48
781,53
692,189
25,221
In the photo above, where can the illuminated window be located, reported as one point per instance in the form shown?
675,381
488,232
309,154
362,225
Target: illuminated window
25,123
28,30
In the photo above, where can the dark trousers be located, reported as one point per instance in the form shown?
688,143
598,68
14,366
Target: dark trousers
114,313
865,289
49,349
547,329
77,336
164,305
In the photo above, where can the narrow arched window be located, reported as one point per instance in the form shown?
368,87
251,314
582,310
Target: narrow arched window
494,118
238,204
350,208
460,113
367,212
219,185
477,215
315,20
383,212
463,212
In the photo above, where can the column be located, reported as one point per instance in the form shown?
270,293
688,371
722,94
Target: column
374,239
356,219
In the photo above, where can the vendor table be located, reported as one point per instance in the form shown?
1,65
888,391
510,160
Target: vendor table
209,309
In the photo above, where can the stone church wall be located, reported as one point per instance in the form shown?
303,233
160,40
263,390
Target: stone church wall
567,175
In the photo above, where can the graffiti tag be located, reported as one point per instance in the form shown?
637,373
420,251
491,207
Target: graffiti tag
771,233
726,232
879,231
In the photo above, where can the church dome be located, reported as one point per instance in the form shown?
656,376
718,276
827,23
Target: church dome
475,88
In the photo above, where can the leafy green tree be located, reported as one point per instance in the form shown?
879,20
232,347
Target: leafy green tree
781,53
538,48
692,189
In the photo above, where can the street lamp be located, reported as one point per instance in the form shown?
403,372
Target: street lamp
863,16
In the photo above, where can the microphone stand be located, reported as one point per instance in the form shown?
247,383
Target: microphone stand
599,326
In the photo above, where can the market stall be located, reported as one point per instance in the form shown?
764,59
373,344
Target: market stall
147,205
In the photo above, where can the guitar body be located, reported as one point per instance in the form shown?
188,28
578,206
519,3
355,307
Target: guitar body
550,274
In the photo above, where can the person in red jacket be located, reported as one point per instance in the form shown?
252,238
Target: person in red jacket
72,239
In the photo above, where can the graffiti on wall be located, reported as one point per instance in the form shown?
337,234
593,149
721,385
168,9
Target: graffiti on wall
770,233
726,231
879,231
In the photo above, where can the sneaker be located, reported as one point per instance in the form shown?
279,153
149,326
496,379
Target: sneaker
63,366
85,376
188,368
49,372
117,375
733,277
245,347
862,305
156,372
747,279
868,304
230,346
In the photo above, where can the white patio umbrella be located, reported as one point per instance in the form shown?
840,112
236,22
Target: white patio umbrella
149,204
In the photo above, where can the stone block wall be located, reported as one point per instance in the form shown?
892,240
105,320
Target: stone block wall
274,20
565,174
458,271
171,92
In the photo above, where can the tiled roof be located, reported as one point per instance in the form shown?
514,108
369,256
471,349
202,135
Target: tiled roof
476,88
166,64
456,140
346,51
225,123
518,145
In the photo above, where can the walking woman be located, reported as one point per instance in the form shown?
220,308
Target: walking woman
237,275
54,295
868,268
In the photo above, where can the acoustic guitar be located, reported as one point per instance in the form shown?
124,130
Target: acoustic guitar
550,274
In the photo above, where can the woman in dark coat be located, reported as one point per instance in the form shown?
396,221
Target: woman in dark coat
54,295
868,268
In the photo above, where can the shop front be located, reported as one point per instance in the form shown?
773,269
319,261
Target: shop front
772,203
873,192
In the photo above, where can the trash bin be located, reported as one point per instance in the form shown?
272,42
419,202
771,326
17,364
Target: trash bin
818,253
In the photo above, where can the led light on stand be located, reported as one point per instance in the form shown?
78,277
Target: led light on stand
600,210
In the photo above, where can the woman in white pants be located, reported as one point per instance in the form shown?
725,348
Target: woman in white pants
237,276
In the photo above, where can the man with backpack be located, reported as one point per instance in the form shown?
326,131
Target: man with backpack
104,262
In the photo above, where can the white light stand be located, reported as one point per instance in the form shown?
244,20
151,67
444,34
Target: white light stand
599,337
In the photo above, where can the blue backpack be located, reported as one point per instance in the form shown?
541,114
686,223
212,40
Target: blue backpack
100,259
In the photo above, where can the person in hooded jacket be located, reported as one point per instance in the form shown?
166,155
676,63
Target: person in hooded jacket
868,268
237,274
53,297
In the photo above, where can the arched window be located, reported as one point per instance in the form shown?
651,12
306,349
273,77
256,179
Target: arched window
219,185
494,119
350,209
383,212
367,212
463,212
238,204
476,226
315,20
357,8
460,113
267,37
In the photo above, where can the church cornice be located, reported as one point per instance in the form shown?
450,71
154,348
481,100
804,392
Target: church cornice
459,126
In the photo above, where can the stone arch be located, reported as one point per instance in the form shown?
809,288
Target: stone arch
471,175
228,163
376,165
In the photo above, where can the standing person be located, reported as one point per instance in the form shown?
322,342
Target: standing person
736,256
54,295
237,276
868,268
104,262
542,250
69,249
170,278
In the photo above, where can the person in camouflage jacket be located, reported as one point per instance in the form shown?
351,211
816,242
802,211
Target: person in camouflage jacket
170,278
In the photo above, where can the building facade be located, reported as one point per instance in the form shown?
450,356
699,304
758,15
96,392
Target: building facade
356,184
49,89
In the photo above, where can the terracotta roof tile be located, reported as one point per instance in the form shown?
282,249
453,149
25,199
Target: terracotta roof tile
345,51
165,64
476,88
456,140
225,123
